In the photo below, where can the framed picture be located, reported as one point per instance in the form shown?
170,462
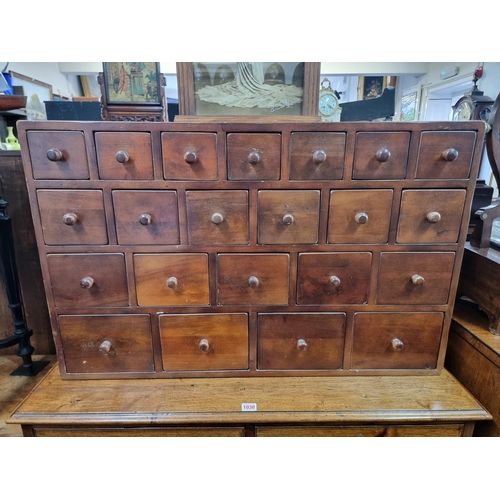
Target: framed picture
370,87
132,83
36,92
256,88
409,105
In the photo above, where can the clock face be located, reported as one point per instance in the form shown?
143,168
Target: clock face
327,104
485,114
463,111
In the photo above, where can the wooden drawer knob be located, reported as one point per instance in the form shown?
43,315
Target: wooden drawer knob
288,219
106,347
87,282
334,280
416,279
449,154
217,218
301,345
70,218
319,156
122,157
254,158
361,218
172,282
253,282
397,344
383,155
145,219
433,217
190,157
204,345
54,155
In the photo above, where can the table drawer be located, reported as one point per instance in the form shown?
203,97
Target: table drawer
204,341
201,431
107,343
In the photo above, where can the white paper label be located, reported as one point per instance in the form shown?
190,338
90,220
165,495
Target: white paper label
248,406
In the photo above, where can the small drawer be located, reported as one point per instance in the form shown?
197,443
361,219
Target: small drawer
333,278
217,217
252,279
396,340
288,217
172,279
204,341
360,216
445,155
72,217
317,156
300,341
189,156
58,155
254,157
422,278
107,343
88,280
146,217
381,155
430,216
124,155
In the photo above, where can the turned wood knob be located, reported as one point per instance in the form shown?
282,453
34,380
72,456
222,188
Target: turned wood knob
334,280
172,282
319,156
253,281
190,157
254,158
433,217
361,218
449,154
70,218
122,157
397,344
203,345
383,155
54,155
87,282
416,279
105,347
301,345
145,219
287,219
217,218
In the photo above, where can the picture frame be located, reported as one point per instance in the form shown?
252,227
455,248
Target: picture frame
370,87
37,93
219,89
132,83
409,106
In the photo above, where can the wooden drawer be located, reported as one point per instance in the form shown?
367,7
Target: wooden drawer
415,277
430,215
445,155
177,279
189,156
300,341
396,340
107,343
88,280
204,341
201,431
58,154
381,155
124,155
317,155
217,217
253,157
146,217
359,216
333,278
288,217
72,217
252,279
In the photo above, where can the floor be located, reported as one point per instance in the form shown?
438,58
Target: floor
13,389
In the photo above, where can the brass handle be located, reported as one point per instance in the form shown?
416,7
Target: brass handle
190,157
106,347
54,155
253,281
172,282
122,157
383,155
301,345
433,217
335,280
288,219
254,158
204,345
416,279
319,156
449,154
397,344
361,218
70,218
217,218
87,282
145,219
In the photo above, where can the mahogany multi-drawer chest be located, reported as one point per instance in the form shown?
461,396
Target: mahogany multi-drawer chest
227,249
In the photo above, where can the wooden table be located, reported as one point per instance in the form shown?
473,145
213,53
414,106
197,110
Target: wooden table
434,405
